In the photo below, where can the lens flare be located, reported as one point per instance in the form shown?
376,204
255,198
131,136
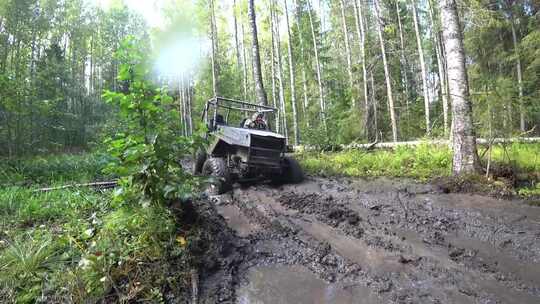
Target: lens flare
179,55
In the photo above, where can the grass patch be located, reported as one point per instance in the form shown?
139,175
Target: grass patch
78,246
422,162
51,169
533,191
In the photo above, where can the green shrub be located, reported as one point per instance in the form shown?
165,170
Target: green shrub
74,246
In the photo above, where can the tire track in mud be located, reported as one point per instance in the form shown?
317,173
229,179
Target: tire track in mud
402,242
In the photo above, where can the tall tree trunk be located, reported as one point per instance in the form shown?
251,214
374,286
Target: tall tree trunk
465,159
347,53
213,37
361,32
181,106
441,65
388,80
403,62
236,41
318,68
244,64
283,110
189,106
259,86
292,78
422,66
375,105
277,122
305,104
519,78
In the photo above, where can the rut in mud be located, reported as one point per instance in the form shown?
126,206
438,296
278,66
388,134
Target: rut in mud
381,241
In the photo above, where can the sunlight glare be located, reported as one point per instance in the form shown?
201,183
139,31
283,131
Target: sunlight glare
179,56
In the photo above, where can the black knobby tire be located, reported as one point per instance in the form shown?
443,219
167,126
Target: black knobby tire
292,173
217,168
198,162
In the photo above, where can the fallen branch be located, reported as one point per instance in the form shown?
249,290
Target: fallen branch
99,185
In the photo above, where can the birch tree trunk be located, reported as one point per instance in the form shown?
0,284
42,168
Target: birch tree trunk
213,37
260,93
292,78
375,106
283,109
236,40
519,78
390,96
465,159
403,61
441,65
277,122
181,106
305,104
347,53
360,31
244,63
422,66
318,68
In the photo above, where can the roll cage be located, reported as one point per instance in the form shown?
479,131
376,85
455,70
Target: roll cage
211,113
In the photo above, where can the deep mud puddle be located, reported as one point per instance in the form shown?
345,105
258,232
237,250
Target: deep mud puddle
378,241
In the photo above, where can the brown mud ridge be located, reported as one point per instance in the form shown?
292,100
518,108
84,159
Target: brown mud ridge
369,241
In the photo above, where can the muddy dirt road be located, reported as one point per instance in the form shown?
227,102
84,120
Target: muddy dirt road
378,241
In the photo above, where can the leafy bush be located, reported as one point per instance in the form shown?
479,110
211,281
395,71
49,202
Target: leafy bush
85,252
149,153
86,247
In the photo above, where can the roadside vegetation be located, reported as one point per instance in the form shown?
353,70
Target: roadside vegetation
512,164
54,169
84,245
77,246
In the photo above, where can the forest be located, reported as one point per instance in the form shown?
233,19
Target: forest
339,72
389,106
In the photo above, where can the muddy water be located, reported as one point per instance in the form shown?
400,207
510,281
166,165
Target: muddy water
296,284
236,220
375,241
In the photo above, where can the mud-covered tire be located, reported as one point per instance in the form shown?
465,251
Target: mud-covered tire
292,173
217,168
198,162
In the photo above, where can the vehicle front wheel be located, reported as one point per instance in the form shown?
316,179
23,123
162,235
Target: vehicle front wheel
292,173
216,168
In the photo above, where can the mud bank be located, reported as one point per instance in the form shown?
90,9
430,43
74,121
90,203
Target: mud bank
369,241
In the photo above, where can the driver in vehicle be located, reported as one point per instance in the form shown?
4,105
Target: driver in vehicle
256,122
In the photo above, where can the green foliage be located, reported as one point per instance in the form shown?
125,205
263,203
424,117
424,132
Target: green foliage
56,58
531,191
54,169
28,208
148,152
425,161
80,245
422,162
74,246
26,262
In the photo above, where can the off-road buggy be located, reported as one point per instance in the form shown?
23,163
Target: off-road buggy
236,153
